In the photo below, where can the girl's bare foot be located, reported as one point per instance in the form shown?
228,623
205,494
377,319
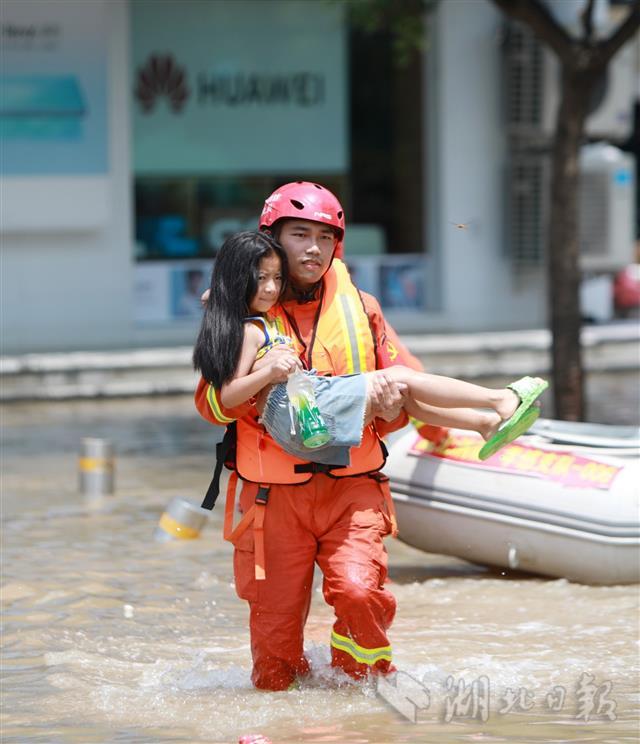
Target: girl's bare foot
506,404
490,422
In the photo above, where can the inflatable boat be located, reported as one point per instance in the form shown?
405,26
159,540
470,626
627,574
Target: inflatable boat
563,500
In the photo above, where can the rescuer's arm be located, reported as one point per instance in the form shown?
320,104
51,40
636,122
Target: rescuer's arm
388,398
391,351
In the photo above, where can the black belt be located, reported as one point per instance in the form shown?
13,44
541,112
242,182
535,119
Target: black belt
316,467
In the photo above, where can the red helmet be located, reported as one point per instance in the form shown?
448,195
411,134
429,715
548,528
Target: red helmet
306,201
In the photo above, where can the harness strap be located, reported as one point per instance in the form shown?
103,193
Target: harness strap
254,515
258,531
385,451
258,541
230,534
223,449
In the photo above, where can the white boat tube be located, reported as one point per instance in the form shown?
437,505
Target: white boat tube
564,501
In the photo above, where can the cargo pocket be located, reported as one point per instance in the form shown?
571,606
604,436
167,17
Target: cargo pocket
244,567
386,507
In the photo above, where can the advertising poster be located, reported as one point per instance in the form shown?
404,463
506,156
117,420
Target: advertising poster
54,88
364,273
402,283
187,285
170,291
238,86
396,280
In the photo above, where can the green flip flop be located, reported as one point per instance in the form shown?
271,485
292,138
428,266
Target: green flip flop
528,389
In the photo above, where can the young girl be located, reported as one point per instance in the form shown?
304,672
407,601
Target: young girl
248,279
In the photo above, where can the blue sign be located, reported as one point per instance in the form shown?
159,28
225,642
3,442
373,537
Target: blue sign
53,107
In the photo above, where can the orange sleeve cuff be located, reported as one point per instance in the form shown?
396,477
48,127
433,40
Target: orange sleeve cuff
207,401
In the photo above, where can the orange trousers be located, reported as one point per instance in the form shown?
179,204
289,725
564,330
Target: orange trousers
339,523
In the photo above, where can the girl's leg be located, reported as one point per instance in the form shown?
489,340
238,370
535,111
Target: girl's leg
446,392
485,423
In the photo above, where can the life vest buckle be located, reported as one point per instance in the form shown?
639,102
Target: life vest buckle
263,495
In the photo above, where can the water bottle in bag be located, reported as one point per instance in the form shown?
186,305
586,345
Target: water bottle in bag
313,430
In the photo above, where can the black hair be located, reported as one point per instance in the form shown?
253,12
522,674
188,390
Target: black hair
234,282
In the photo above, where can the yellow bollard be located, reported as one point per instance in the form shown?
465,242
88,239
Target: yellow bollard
181,520
96,467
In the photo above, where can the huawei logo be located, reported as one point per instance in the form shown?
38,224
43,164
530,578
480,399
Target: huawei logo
161,76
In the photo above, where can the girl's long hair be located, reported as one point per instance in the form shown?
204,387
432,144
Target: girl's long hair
234,281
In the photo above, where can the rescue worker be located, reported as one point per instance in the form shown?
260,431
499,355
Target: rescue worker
297,513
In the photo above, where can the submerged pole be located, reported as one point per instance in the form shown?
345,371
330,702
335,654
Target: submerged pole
96,467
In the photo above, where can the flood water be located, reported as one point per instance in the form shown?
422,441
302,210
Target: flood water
111,637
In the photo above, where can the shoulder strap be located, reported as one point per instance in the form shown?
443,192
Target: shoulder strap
263,322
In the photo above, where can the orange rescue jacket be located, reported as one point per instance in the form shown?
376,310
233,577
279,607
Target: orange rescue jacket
342,343
350,336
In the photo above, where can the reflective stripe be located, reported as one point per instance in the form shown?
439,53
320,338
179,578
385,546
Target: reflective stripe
215,406
173,527
362,331
95,463
353,333
343,328
351,342
362,655
354,323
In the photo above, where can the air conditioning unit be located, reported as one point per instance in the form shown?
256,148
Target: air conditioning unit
605,208
532,89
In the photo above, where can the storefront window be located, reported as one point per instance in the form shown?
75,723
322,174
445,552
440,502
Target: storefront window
218,125
190,217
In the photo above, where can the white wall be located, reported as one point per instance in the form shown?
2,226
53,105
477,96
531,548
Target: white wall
466,164
72,290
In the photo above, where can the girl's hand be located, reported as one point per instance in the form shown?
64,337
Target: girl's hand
283,366
279,351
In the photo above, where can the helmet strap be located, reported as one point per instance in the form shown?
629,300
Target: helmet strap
305,294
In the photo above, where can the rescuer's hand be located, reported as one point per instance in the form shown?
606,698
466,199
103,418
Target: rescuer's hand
386,396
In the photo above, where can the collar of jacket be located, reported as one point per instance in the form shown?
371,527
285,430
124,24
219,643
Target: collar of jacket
302,296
